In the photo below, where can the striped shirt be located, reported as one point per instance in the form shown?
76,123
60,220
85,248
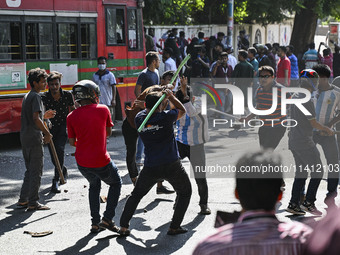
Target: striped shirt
326,104
264,100
311,58
192,128
256,233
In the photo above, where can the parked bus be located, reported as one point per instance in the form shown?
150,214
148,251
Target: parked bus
67,36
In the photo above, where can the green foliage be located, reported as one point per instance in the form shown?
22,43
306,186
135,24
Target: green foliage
175,12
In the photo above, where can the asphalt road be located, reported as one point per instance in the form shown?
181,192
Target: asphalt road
69,217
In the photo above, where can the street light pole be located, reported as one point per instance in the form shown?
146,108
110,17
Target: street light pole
230,22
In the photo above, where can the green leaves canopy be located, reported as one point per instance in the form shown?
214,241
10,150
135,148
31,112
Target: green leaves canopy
184,12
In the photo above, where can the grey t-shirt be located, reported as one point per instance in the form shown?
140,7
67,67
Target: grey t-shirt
30,134
301,136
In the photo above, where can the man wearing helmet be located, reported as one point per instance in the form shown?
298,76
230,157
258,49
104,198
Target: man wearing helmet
304,150
88,126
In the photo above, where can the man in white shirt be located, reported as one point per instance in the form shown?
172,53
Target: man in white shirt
169,63
232,61
107,85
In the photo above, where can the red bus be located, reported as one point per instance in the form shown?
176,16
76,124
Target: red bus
67,36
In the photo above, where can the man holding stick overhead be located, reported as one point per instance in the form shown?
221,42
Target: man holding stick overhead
161,160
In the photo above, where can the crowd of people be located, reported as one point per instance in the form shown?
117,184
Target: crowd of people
87,119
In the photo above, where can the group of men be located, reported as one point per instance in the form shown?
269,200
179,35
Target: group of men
91,123
163,148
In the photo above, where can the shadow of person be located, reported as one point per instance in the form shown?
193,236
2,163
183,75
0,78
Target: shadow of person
152,205
83,242
16,219
163,243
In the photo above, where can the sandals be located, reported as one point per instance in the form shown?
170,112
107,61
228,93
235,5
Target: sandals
22,204
177,231
95,228
37,207
124,232
108,224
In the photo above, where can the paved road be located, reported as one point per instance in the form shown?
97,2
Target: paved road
69,217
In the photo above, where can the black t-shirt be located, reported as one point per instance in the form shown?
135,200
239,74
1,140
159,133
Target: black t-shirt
61,106
301,136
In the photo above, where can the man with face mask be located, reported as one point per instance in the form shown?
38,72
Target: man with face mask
107,85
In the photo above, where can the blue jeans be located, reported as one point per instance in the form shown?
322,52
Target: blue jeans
140,150
330,149
303,158
109,175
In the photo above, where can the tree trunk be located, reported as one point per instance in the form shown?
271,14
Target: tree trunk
304,28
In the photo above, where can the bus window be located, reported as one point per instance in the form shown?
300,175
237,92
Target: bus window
134,29
115,26
39,42
67,41
88,41
10,39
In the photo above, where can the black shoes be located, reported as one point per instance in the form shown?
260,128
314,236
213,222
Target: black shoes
164,190
295,209
205,210
55,187
310,207
177,231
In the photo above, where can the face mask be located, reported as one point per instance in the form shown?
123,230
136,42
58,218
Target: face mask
102,67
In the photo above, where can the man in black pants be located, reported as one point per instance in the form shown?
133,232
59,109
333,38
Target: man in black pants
62,102
161,161
192,133
130,133
271,133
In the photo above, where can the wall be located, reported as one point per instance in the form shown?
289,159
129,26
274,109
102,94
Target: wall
273,33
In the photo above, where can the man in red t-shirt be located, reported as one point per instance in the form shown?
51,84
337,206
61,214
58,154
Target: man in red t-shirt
283,67
88,126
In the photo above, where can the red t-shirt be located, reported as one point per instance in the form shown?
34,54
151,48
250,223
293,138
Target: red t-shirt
87,125
282,65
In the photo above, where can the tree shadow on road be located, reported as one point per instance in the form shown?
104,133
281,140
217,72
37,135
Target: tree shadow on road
163,243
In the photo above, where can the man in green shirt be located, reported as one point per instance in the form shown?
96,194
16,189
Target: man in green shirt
243,73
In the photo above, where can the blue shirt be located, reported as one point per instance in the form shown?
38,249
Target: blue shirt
147,78
160,146
294,67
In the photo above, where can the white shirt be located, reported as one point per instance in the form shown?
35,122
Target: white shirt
170,65
232,61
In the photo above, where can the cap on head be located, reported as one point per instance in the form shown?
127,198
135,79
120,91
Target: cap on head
309,77
86,89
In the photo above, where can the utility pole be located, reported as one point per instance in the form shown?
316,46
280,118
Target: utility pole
230,22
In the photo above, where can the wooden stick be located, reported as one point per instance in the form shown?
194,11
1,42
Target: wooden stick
56,159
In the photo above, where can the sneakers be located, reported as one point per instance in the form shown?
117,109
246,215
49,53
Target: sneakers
295,209
164,190
310,207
